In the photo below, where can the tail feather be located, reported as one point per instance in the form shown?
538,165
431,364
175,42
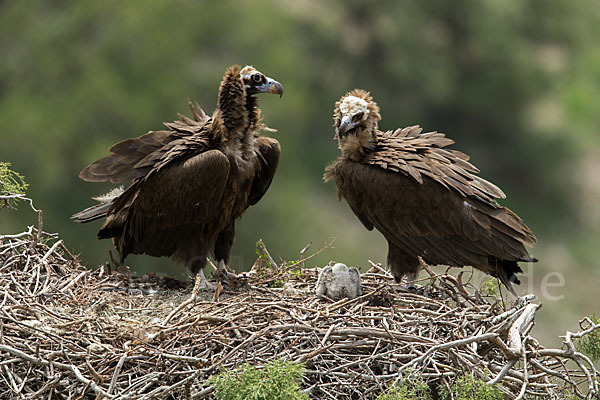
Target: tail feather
91,213
529,259
507,272
99,210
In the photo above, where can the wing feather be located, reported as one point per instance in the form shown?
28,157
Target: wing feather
445,226
416,154
193,188
134,158
268,150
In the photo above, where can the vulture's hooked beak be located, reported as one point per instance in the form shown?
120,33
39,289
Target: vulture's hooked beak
270,86
346,125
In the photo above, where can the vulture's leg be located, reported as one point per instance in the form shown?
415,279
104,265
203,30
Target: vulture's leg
411,277
222,253
197,268
203,281
402,265
224,244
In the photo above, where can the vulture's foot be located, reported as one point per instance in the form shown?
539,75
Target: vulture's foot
410,278
420,290
201,281
411,286
227,278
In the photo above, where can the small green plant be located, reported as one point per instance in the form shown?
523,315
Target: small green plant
271,274
491,287
297,273
410,389
468,388
590,343
278,380
263,255
11,183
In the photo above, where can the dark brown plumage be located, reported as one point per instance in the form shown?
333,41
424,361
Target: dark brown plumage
190,181
425,199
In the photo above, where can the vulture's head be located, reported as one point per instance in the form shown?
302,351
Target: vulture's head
237,108
256,82
356,114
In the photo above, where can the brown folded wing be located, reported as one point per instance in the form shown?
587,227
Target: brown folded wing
268,151
427,201
134,158
176,209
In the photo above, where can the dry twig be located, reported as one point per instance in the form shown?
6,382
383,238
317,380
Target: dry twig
66,330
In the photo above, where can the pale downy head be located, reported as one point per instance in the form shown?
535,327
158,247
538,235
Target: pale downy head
355,112
355,121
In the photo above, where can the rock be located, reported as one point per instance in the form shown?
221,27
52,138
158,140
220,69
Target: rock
338,281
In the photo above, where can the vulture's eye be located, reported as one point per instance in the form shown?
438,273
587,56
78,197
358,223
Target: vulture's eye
357,117
257,78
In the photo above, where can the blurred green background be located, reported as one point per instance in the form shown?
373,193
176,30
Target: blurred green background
516,84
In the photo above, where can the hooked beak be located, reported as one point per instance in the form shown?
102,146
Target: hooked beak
345,125
271,86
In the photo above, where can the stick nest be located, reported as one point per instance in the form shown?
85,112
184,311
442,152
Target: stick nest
68,332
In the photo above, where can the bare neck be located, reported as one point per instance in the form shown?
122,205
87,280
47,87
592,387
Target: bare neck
231,107
237,119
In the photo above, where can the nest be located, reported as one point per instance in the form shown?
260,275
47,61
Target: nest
69,332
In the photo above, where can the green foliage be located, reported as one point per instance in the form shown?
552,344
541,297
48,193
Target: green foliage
11,183
468,388
567,394
465,388
590,343
278,380
411,389
271,274
261,252
491,287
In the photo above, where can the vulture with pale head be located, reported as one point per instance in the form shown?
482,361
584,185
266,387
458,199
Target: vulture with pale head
191,181
425,199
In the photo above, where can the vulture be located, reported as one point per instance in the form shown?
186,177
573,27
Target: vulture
426,200
191,181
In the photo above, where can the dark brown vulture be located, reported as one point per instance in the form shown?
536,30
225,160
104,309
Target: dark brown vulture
190,181
425,199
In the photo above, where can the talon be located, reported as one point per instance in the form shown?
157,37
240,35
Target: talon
411,278
410,285
204,284
229,279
